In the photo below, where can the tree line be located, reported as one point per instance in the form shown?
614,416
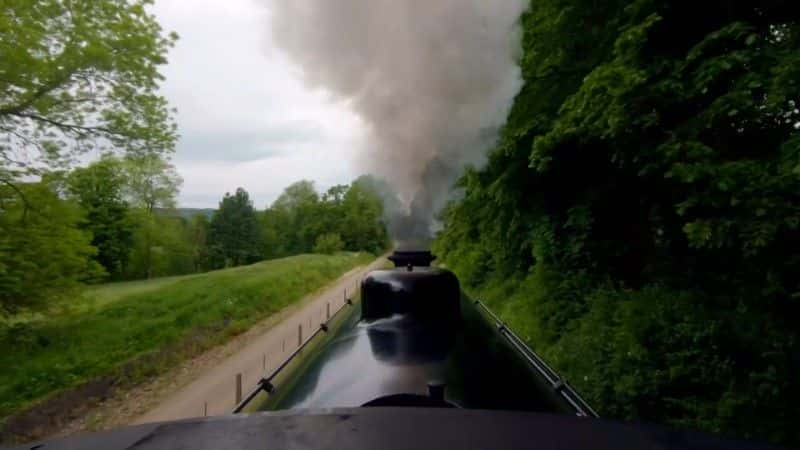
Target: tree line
80,77
638,219
115,219
77,77
300,220
90,224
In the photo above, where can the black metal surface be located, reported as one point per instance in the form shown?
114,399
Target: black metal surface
404,258
428,294
394,429
265,384
367,361
557,383
416,332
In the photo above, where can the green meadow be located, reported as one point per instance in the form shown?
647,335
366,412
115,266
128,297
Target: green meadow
131,330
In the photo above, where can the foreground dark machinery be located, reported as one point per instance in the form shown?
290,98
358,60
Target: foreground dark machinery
414,364
414,340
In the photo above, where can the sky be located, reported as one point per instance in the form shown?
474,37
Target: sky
245,117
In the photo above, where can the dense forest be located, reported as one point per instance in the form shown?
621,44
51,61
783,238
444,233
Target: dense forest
638,220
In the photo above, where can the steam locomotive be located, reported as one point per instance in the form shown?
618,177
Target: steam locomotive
413,364
414,340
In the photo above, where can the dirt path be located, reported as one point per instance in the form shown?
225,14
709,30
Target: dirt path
206,384
213,392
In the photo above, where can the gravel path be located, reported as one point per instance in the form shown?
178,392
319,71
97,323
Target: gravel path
213,391
206,384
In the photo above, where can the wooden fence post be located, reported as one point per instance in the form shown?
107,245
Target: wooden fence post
299,335
238,388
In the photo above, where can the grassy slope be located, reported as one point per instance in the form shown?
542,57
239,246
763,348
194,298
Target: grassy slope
114,323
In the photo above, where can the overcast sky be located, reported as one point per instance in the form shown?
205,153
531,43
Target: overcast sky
244,115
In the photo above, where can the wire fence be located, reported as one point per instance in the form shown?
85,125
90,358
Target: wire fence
270,350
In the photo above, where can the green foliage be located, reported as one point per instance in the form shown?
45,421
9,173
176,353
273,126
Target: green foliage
76,75
162,246
300,217
638,220
98,189
113,323
151,182
361,213
197,231
295,219
44,257
328,244
234,234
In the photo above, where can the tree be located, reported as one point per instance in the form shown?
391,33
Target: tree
162,246
299,218
273,223
152,182
98,189
44,256
295,214
638,219
197,230
234,234
362,218
77,75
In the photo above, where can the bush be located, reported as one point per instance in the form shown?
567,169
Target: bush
643,206
44,256
328,243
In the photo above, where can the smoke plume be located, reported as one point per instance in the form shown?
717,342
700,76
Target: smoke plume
432,79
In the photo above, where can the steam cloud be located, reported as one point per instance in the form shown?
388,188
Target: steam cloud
432,79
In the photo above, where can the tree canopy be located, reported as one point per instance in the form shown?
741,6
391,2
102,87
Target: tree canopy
77,75
99,190
234,234
152,182
44,255
638,219
300,217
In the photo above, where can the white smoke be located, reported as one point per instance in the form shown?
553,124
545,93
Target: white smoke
433,80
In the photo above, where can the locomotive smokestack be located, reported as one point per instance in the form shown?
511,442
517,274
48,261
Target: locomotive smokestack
411,258
432,81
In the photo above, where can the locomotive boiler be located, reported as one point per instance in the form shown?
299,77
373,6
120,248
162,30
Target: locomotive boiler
415,340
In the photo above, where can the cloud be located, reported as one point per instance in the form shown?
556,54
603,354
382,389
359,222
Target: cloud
244,116
231,145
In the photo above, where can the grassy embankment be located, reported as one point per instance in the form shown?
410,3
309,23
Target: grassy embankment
157,322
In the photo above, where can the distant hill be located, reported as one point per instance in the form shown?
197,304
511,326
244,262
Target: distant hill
188,213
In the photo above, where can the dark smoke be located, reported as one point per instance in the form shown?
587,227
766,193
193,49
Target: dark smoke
432,79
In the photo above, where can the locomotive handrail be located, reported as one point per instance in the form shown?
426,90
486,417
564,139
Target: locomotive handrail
265,383
560,385
557,383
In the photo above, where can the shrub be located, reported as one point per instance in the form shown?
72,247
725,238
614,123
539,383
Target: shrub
328,243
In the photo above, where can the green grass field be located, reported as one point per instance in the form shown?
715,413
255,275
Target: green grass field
115,323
